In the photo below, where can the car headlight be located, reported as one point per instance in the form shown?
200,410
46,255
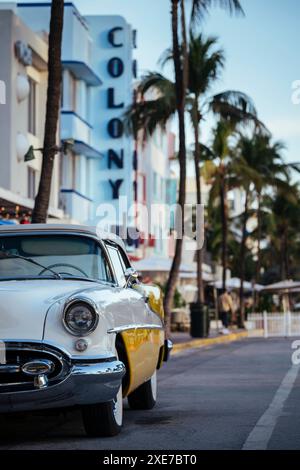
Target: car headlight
80,318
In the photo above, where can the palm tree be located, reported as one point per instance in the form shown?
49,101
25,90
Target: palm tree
181,74
204,66
217,173
180,58
41,205
247,177
285,211
232,106
265,170
159,113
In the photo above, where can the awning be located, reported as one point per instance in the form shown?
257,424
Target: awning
82,148
10,200
82,71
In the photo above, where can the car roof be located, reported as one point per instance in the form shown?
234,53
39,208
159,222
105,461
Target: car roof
63,228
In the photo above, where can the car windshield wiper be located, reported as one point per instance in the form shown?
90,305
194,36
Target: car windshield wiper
79,278
5,255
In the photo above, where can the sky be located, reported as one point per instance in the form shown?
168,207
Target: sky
261,50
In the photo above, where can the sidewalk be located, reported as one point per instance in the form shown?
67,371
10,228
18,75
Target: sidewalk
183,341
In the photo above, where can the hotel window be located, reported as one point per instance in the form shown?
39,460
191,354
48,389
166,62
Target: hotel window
31,180
73,93
32,103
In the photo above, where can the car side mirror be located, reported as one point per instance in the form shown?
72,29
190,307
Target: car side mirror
131,275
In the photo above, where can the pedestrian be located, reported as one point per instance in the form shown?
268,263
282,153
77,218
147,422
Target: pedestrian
225,308
25,219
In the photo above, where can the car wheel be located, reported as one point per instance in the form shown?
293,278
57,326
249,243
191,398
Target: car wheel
104,419
144,397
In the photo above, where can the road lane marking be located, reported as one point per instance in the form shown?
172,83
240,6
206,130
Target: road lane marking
261,434
2,353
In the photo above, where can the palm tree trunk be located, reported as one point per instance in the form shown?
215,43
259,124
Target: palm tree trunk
185,73
259,234
282,248
286,256
224,215
199,252
180,104
40,210
242,262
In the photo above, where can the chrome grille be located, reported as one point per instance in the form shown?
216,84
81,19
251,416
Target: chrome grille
12,378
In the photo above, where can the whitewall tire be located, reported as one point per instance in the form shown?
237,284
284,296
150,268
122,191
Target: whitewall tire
104,419
144,397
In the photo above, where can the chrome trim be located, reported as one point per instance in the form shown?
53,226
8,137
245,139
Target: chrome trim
40,381
49,367
60,349
168,346
86,384
37,347
25,345
146,326
9,369
130,274
84,300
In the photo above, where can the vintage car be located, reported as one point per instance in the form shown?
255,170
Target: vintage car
77,327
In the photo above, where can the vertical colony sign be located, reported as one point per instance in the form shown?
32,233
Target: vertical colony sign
112,43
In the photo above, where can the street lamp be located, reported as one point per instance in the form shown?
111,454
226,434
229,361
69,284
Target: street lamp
66,145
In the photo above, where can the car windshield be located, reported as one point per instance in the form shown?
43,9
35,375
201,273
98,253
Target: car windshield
60,256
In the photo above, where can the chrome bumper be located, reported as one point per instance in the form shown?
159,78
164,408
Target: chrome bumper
86,383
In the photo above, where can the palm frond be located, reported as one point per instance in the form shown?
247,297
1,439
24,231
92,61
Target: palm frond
157,83
148,114
200,8
293,166
237,108
205,63
165,57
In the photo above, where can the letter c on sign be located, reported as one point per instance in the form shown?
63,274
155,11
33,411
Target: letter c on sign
111,37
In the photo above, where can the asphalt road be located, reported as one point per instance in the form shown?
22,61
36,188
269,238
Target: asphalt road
240,395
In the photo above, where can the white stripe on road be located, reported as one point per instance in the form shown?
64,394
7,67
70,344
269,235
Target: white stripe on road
261,434
2,353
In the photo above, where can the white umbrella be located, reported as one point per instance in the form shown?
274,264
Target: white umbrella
285,288
193,275
235,283
282,286
158,264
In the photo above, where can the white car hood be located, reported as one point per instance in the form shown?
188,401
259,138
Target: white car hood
24,304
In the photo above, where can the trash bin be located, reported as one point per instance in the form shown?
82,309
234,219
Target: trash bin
199,320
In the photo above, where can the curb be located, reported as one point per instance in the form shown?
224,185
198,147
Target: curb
201,343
